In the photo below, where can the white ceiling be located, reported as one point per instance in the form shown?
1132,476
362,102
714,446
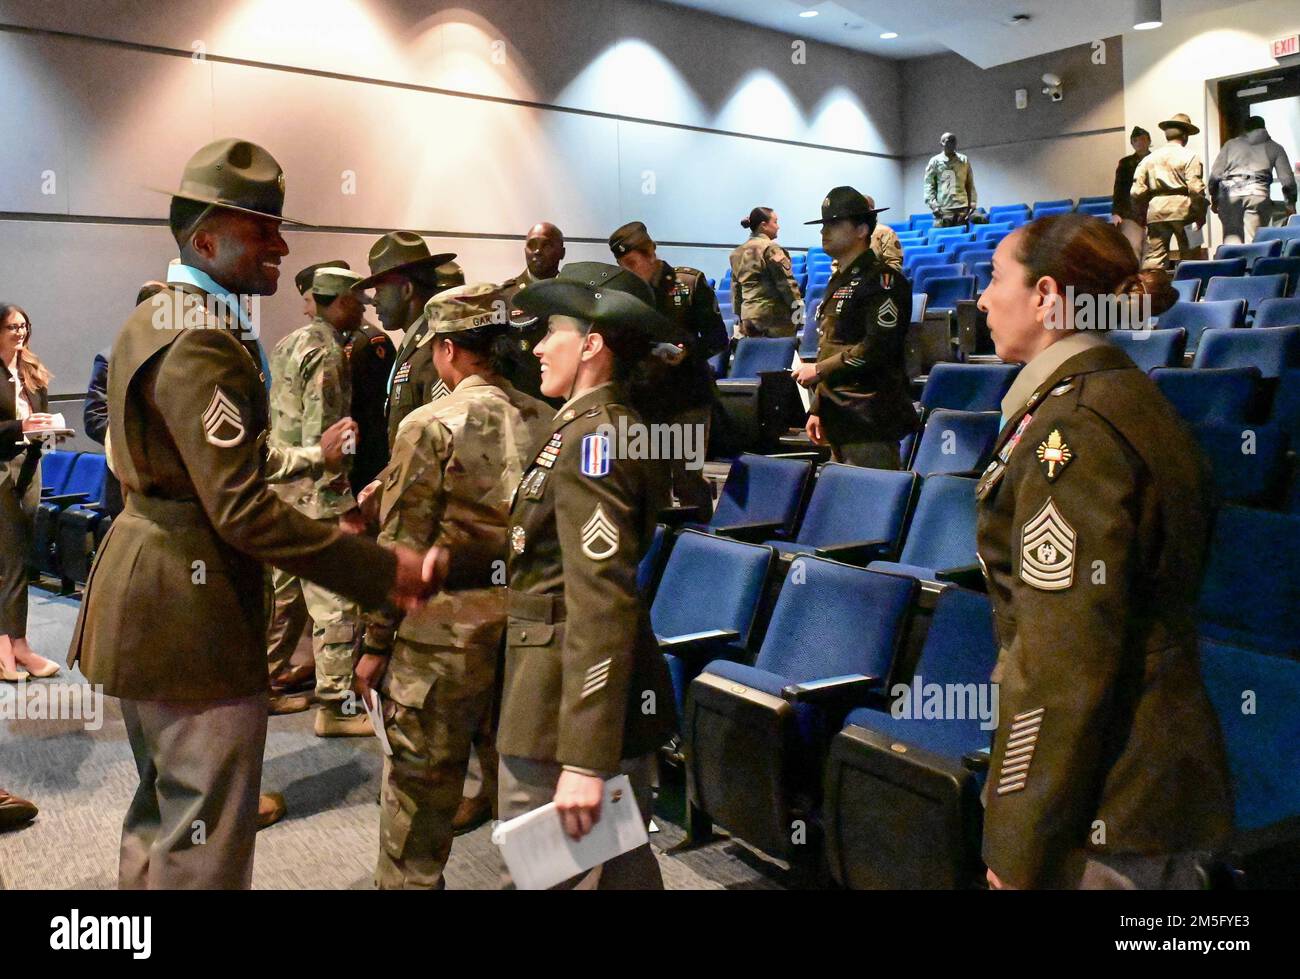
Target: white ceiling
979,30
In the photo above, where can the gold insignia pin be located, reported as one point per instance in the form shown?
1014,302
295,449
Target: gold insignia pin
570,415
1054,454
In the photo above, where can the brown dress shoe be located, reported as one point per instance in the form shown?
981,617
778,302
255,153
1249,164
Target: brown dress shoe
270,809
15,811
471,814
299,679
288,703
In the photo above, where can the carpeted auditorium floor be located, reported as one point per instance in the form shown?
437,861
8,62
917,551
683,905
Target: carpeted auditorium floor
83,779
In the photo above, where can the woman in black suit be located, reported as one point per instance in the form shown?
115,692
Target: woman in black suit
24,385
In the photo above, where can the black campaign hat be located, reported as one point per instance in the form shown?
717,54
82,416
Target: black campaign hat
612,299
845,202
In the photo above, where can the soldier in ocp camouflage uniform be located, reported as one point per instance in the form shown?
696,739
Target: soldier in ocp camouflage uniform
950,185
311,388
1169,187
455,466
764,293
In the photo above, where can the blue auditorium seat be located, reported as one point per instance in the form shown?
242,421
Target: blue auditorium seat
1288,266
919,302
854,514
691,631
940,542
1205,271
926,273
754,735
1208,395
994,229
1188,289
1263,743
1269,350
1149,349
951,242
947,291
761,497
1101,199
968,387
1246,460
1286,406
956,231
1015,214
1065,202
1251,590
84,485
902,807
915,260
1278,312
1047,212
1255,289
1293,221
956,441
1287,235
972,251
1196,318
808,340
1251,252
56,466
757,354
1098,210
647,570
898,227
983,273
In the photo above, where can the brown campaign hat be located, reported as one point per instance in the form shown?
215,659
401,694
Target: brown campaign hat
302,281
1180,121
237,175
402,252
845,202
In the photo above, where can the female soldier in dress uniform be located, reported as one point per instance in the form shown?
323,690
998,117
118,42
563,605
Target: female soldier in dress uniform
1108,768
764,293
586,692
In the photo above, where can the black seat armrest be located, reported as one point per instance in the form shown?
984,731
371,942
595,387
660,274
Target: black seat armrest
967,576
676,516
846,690
695,645
66,499
753,533
976,761
860,552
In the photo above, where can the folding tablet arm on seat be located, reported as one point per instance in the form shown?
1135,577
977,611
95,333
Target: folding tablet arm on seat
697,645
848,690
966,576
858,553
752,533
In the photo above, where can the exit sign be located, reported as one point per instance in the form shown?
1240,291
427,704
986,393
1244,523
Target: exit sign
1287,46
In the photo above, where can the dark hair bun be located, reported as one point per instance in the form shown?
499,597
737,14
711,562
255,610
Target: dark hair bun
744,223
1152,288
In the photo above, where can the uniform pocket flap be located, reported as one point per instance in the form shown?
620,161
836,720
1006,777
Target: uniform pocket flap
530,634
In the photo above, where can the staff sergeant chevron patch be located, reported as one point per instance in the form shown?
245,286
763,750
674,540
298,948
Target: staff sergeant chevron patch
440,390
599,536
222,424
1047,546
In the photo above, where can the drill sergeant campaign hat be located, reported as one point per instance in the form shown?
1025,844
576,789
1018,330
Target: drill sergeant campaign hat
614,301
333,281
449,276
404,253
1180,121
1138,131
233,174
625,239
467,307
302,281
845,202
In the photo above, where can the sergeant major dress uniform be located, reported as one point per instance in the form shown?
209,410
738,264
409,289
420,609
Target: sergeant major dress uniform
1107,767
585,686
456,463
173,621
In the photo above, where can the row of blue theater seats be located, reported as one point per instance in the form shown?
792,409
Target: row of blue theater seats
763,706
69,521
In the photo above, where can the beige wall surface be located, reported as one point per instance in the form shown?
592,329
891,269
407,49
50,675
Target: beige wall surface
1045,151
466,121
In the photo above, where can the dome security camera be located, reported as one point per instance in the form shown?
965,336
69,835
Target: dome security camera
1053,87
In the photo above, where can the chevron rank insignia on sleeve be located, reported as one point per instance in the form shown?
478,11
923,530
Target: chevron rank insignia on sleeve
222,424
440,390
1021,742
599,536
1047,548
888,315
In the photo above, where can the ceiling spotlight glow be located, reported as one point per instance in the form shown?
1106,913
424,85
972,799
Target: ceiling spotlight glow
889,35
1147,15
807,13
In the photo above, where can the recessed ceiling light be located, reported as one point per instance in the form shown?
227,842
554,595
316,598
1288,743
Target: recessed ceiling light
807,13
889,35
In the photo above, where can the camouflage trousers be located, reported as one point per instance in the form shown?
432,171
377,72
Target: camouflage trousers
333,625
436,698
1159,234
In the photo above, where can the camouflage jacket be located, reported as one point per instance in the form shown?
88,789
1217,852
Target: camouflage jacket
949,184
311,389
887,247
1169,185
455,464
763,289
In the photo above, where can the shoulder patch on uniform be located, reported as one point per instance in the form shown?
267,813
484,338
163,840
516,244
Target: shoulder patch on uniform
1054,454
599,536
888,314
595,455
1047,547
223,425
